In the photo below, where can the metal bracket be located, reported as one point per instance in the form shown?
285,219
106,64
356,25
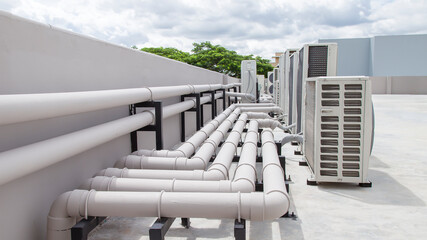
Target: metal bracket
240,229
366,184
197,109
212,102
81,230
157,127
223,98
160,227
185,222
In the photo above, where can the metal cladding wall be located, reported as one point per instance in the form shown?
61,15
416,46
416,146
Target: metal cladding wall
39,58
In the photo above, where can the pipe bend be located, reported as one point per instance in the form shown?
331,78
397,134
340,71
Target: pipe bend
195,163
214,175
243,185
276,205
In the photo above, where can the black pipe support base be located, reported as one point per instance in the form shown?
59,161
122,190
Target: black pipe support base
303,163
160,227
81,230
240,229
367,184
185,222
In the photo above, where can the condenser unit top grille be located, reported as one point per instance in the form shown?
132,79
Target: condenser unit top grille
318,61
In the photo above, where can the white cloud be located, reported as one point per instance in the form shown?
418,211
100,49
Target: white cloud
259,27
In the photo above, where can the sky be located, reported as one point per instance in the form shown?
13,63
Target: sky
258,27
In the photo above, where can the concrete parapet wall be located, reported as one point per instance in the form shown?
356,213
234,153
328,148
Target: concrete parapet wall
39,58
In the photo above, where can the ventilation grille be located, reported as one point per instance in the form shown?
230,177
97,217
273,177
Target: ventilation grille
318,61
340,128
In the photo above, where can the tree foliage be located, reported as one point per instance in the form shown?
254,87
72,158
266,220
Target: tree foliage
212,57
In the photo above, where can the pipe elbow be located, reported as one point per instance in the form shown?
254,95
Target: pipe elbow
195,163
243,185
214,175
59,222
276,204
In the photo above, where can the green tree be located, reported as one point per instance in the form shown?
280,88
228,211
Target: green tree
213,57
171,53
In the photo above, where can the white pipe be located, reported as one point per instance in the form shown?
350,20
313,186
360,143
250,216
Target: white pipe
257,115
291,138
244,178
48,105
254,105
237,94
188,147
267,205
200,159
275,109
24,160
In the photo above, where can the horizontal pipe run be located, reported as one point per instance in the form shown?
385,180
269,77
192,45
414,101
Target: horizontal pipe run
267,205
275,109
237,94
187,148
198,161
244,180
48,105
292,138
15,163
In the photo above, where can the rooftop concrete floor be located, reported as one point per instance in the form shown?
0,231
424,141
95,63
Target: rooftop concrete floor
394,208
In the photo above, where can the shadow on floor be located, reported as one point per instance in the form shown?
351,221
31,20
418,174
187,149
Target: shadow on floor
385,191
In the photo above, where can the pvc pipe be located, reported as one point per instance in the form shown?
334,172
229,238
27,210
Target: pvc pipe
199,160
257,115
292,138
254,105
237,94
194,141
244,178
267,205
261,109
15,163
48,105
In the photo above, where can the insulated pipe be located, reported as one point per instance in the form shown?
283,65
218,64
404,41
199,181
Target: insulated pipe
254,105
267,205
48,105
244,178
292,138
189,147
257,115
275,109
199,160
237,94
14,163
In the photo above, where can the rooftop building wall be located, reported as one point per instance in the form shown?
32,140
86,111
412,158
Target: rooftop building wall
39,58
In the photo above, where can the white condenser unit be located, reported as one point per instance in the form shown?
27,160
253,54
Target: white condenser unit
249,79
338,129
276,95
270,80
280,92
315,60
284,80
292,76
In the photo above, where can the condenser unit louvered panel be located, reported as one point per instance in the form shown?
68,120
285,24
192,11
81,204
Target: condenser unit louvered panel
338,132
270,86
276,85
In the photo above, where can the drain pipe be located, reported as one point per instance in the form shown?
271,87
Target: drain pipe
15,162
275,109
188,147
258,206
237,94
48,105
292,138
244,178
182,163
